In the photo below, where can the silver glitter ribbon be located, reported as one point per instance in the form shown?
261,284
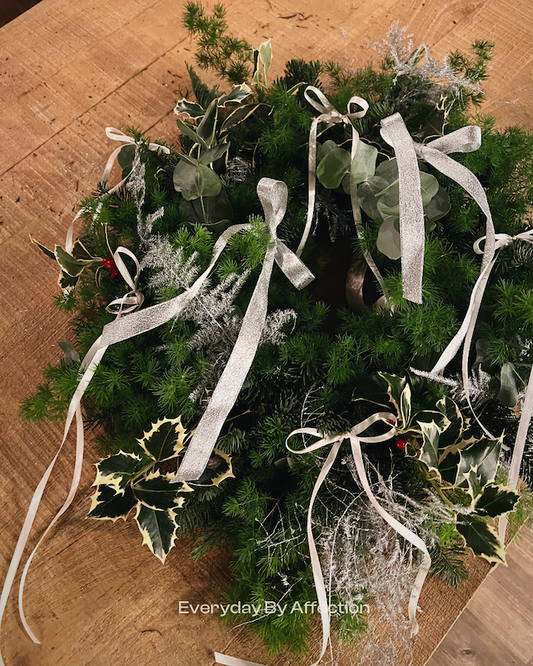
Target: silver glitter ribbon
412,233
273,195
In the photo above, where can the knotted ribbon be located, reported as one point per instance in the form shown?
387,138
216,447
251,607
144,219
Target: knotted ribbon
355,438
273,195
412,232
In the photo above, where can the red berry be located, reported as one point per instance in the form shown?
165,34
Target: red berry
400,443
109,263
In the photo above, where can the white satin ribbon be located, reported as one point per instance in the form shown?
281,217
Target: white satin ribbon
412,232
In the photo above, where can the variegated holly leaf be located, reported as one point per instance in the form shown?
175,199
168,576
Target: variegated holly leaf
395,388
453,422
218,468
496,500
107,504
483,456
156,492
117,470
474,486
429,451
481,538
164,440
158,529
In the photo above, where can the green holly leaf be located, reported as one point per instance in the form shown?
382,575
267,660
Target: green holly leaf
496,500
117,470
429,451
107,504
156,492
158,529
482,456
481,538
164,440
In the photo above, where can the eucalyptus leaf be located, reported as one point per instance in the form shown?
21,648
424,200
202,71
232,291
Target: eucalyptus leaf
125,159
209,184
322,149
438,207
429,186
184,176
158,529
508,394
481,538
332,168
214,212
388,240
363,164
213,154
71,354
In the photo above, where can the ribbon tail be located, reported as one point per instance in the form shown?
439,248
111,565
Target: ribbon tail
356,212
312,186
233,661
230,383
401,529
412,231
518,452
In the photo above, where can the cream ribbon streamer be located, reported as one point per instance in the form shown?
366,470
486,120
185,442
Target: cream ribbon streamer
518,452
273,195
412,233
354,435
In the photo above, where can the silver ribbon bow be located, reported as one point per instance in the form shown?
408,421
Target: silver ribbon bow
273,195
412,233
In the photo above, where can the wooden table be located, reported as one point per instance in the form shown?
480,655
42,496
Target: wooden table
68,69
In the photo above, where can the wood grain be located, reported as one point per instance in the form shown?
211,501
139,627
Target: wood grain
68,69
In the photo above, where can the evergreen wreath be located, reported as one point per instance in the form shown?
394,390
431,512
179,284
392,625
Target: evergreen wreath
321,364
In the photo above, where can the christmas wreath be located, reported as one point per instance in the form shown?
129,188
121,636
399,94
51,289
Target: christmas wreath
271,315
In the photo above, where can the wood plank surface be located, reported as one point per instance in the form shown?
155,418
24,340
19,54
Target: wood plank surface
68,69
495,627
